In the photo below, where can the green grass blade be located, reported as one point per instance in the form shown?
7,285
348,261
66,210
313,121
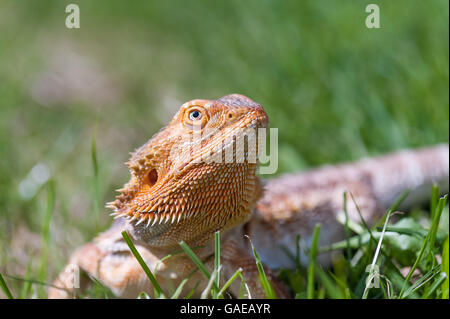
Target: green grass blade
216,261
151,277
426,243
244,291
347,230
171,255
179,289
189,295
5,288
190,253
143,295
48,212
395,206
321,293
366,226
105,290
422,281
445,269
358,209
438,282
211,281
342,284
270,293
377,250
26,287
375,257
236,274
31,281
330,286
434,199
96,185
436,219
312,262
45,233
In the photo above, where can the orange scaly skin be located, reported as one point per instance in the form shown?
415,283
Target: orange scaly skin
175,194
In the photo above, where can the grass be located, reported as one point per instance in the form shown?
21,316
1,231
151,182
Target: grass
427,243
270,293
313,262
73,107
372,273
350,278
5,288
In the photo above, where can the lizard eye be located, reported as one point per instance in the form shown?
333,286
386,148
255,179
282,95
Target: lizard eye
195,117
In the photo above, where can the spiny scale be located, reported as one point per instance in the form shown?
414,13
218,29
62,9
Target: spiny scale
151,218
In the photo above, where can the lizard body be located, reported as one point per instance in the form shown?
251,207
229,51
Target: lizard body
176,192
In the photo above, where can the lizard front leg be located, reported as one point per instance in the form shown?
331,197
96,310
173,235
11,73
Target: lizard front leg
84,260
108,260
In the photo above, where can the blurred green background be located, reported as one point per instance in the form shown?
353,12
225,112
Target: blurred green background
336,90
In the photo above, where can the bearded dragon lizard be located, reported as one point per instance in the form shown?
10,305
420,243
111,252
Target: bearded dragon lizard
184,197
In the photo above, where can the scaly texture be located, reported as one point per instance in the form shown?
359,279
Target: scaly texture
194,178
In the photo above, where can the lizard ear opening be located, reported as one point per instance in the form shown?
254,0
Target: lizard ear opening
152,177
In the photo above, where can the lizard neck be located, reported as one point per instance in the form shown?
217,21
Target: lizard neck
219,207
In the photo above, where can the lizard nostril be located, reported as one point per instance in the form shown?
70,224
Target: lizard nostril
152,177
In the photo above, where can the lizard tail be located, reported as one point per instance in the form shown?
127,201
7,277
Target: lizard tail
416,170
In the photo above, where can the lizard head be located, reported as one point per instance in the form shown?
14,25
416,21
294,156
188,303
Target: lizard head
197,175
